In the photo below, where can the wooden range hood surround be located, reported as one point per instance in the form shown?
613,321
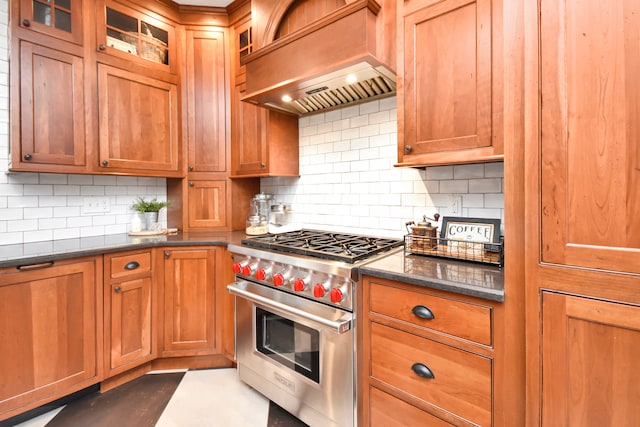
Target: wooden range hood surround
311,63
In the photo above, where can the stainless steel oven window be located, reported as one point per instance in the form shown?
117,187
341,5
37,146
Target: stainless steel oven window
289,343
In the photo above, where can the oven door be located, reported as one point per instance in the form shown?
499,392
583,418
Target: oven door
298,353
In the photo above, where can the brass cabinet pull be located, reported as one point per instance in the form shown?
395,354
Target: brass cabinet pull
422,370
423,312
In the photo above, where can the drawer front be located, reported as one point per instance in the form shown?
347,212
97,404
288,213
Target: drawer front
462,381
461,319
402,414
130,264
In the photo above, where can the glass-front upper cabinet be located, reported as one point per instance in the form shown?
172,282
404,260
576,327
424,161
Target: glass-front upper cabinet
128,32
58,18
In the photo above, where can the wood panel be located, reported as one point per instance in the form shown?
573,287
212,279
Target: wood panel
590,161
190,322
207,200
461,383
389,411
448,100
130,322
138,122
590,349
303,12
448,312
52,121
48,333
206,107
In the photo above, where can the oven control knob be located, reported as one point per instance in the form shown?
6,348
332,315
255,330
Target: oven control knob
278,279
319,290
299,285
246,270
335,295
237,268
261,274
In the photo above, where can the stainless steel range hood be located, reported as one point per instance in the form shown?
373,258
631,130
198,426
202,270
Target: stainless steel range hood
330,64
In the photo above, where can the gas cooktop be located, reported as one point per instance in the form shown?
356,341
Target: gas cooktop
348,248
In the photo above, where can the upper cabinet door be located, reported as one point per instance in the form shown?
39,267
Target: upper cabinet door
52,121
134,36
590,120
207,100
58,18
138,123
446,103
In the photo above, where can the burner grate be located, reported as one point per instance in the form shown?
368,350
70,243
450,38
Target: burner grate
324,244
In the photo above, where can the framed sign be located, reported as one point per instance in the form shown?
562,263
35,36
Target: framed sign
477,230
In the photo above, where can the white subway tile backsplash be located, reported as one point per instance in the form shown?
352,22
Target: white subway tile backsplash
22,225
375,197
36,236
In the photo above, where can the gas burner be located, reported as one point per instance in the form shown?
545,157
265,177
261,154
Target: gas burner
348,248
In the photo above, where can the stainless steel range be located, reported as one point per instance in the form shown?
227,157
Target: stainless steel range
295,328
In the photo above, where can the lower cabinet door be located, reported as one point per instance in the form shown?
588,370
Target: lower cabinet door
207,201
48,321
130,322
189,327
590,353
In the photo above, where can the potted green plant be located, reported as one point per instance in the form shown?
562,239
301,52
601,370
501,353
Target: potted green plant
149,209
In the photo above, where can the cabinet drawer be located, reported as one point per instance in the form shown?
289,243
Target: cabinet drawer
130,264
403,414
464,320
461,382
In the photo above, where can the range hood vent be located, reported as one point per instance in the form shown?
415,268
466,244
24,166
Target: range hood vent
332,63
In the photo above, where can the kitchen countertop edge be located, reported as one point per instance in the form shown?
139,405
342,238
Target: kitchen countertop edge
56,250
392,267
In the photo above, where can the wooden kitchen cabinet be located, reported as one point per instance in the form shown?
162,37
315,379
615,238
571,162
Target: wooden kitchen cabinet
129,337
62,19
50,332
439,370
583,203
263,142
450,73
132,34
589,348
138,123
191,325
49,119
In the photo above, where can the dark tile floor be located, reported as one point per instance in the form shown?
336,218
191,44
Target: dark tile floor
201,398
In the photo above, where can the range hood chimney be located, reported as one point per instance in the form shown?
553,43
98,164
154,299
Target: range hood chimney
328,64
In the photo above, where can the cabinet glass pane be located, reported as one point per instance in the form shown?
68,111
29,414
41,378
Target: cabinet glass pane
154,43
123,42
122,22
63,20
66,4
42,13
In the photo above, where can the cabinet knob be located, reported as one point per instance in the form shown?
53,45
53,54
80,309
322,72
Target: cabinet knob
190,183
117,289
190,168
167,254
105,163
102,47
26,23
422,370
408,149
423,312
262,165
28,156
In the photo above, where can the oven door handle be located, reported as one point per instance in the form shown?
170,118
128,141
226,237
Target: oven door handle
340,326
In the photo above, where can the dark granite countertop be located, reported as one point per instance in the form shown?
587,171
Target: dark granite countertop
473,279
479,280
53,250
